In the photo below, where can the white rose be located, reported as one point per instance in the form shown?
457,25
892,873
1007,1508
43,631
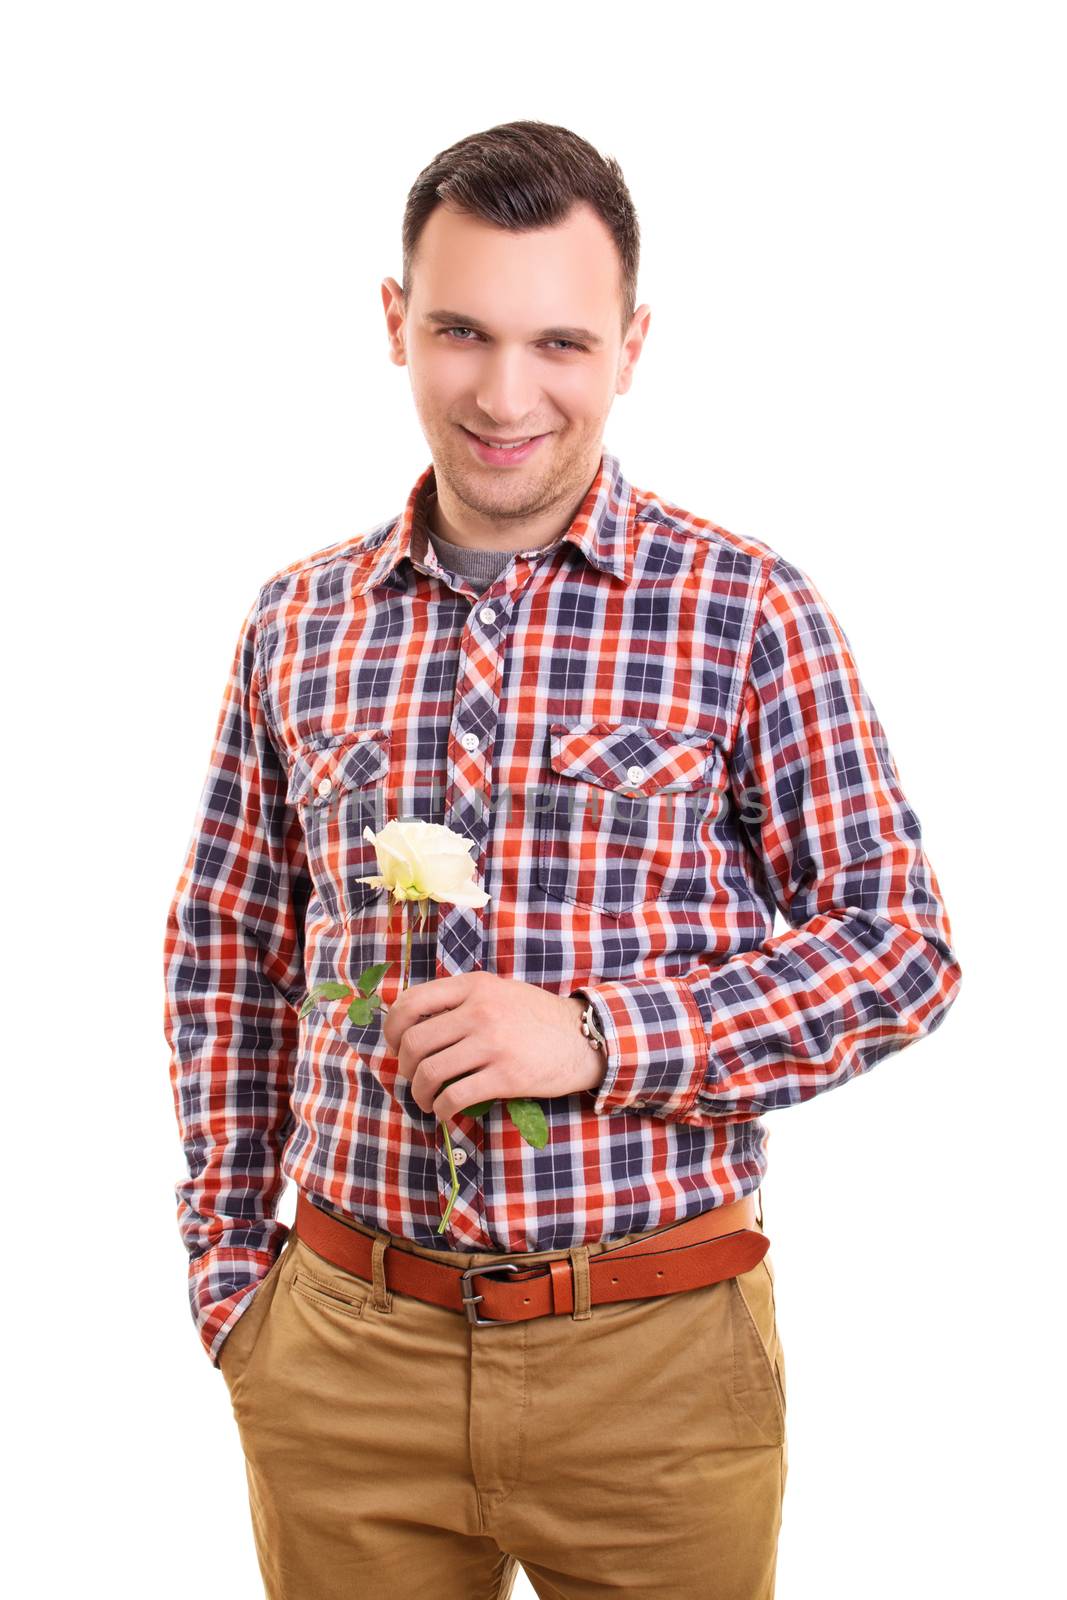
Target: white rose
424,861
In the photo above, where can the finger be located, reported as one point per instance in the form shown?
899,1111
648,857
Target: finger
436,1072
428,1035
421,999
484,1083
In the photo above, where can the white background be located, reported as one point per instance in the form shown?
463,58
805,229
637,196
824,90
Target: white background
850,224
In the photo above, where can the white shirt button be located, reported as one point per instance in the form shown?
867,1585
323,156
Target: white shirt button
325,787
469,741
635,774
638,1105
487,614
458,1156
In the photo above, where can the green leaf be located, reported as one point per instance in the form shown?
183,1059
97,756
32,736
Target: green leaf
371,977
529,1117
329,990
360,1011
476,1111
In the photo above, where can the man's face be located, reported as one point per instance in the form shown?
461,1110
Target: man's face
514,336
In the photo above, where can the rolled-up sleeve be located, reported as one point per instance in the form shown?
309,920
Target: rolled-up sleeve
867,966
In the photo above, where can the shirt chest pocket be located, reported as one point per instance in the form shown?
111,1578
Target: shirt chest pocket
618,826
338,787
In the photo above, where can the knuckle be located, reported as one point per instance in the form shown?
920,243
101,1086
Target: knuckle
486,1016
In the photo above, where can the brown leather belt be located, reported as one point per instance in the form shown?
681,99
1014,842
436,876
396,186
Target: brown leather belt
719,1243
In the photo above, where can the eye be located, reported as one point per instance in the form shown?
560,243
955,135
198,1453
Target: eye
459,328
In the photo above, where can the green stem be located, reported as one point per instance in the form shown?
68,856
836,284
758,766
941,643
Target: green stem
455,1181
405,978
407,949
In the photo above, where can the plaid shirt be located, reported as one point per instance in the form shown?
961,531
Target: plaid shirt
655,733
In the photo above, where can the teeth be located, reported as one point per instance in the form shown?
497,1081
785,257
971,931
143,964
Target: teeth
514,445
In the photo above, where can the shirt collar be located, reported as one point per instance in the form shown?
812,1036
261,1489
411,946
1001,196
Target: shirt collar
600,528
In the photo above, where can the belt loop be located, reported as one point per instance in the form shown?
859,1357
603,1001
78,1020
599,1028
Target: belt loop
579,1255
382,1300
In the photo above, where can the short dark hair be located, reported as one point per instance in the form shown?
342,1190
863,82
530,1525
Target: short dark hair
526,175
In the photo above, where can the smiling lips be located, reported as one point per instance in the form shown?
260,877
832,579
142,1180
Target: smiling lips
495,451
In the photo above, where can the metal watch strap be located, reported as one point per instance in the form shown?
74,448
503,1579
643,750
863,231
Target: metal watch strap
591,1028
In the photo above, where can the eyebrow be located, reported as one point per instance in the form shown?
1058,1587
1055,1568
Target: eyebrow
457,319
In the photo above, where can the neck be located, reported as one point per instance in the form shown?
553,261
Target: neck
453,522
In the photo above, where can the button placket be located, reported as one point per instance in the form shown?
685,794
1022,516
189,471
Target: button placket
460,929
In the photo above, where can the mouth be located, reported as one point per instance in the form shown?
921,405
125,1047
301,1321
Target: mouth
497,451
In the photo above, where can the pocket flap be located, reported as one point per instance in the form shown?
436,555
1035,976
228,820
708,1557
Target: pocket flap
635,756
319,773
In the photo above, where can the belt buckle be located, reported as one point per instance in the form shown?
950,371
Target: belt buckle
471,1300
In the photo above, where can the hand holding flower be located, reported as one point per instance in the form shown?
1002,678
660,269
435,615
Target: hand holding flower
476,1036
465,1040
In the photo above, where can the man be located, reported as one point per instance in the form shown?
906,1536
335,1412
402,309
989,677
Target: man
653,732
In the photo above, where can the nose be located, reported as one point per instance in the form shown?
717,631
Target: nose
506,391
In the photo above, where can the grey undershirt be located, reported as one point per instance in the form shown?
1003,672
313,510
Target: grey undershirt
481,567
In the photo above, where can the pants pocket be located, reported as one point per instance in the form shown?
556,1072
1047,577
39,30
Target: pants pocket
759,1363
240,1343
329,1287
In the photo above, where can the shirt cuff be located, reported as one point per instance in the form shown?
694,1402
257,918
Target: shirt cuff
222,1285
657,1046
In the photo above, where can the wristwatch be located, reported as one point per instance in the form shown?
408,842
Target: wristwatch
591,1028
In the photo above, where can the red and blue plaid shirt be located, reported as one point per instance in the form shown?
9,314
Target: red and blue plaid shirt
655,734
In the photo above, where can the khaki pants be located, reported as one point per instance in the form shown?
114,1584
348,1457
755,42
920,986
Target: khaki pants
395,1451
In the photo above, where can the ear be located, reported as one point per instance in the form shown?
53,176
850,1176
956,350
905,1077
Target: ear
632,346
395,314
